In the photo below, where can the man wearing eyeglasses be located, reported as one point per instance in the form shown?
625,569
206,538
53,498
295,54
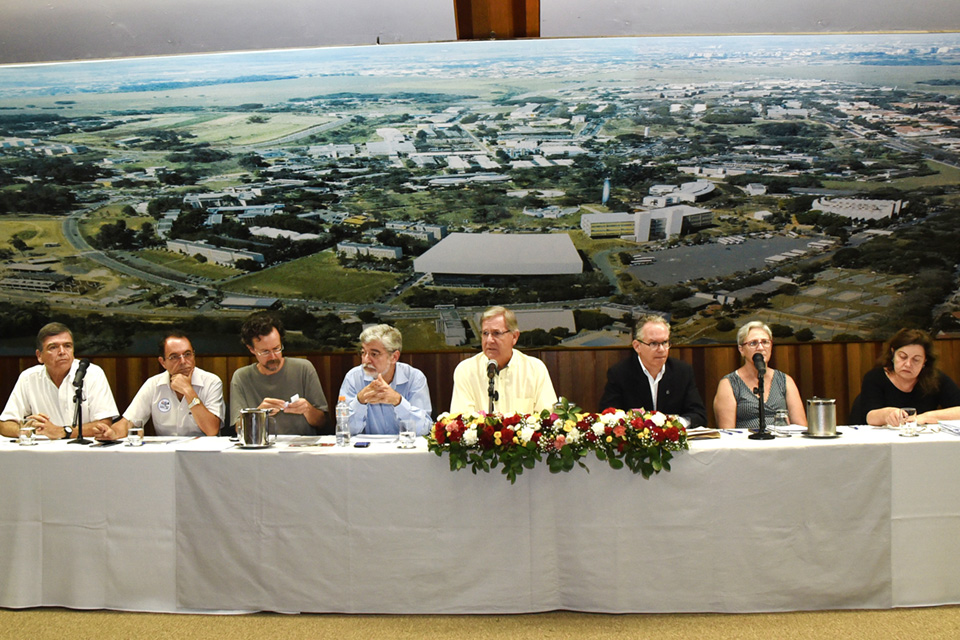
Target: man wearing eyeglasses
382,391
288,387
653,380
184,400
521,383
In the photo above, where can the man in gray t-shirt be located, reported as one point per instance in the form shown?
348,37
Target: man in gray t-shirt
290,388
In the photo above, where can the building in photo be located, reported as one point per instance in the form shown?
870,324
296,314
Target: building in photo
470,256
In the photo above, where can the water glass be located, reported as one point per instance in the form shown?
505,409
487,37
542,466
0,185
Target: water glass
908,423
781,420
408,433
26,434
135,435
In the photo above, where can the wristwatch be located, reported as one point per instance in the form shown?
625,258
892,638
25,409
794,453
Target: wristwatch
67,432
194,403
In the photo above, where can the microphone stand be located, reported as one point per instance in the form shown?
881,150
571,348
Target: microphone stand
78,418
492,394
761,433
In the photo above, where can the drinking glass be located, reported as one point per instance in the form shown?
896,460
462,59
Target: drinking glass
135,434
408,433
781,420
26,433
908,423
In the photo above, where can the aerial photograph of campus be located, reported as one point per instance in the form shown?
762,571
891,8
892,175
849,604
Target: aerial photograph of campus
810,181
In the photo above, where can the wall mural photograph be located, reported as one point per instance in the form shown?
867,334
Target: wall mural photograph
811,182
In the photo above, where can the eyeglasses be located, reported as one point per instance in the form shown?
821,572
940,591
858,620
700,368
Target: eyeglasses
267,352
373,355
656,345
756,344
494,334
174,357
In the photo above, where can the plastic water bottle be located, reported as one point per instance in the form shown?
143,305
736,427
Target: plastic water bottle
343,423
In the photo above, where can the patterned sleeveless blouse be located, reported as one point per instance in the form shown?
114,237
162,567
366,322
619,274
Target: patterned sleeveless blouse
748,408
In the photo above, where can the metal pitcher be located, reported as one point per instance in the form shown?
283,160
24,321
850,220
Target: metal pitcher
253,429
821,417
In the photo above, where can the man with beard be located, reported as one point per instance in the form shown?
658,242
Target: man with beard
520,383
184,400
45,393
382,391
288,387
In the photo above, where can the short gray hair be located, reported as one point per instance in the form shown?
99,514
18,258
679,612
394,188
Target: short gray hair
750,326
389,336
647,319
509,317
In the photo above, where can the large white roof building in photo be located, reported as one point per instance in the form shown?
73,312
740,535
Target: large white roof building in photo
501,254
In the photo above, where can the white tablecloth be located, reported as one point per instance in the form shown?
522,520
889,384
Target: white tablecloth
863,521
87,528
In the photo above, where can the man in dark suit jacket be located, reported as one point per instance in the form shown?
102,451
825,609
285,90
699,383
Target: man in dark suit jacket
630,383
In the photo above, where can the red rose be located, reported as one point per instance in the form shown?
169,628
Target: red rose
512,420
608,411
536,436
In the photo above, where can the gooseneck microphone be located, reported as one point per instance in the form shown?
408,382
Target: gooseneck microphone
492,370
762,433
78,399
81,372
759,364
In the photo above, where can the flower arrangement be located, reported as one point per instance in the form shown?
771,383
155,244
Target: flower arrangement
643,441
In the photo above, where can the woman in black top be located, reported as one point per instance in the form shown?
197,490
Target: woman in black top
907,376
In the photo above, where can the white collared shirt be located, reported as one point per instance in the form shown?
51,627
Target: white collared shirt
523,386
171,416
35,392
654,381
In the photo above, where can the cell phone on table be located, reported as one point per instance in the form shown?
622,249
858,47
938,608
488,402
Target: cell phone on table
106,443
361,445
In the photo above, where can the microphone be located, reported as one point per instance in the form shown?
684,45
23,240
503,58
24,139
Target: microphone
492,368
759,364
81,372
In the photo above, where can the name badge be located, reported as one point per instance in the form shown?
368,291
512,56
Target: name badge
164,405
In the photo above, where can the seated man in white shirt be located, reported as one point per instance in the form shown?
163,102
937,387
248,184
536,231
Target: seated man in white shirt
45,394
520,383
184,400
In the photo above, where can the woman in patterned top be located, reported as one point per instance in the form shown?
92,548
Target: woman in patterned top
736,404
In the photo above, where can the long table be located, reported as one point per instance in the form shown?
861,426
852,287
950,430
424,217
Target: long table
866,520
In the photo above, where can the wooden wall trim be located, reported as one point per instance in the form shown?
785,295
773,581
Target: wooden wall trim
497,19
828,370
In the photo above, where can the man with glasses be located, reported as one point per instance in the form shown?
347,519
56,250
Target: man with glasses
653,380
45,393
520,383
382,391
184,400
288,387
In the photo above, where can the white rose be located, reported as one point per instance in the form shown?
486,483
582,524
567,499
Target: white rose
658,418
470,436
611,419
598,428
526,433
573,436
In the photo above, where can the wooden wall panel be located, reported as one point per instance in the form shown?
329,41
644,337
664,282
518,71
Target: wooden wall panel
830,370
497,19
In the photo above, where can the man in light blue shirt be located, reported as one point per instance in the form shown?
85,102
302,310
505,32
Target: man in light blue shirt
382,391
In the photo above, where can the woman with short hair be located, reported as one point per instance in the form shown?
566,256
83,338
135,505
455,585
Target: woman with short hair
736,404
